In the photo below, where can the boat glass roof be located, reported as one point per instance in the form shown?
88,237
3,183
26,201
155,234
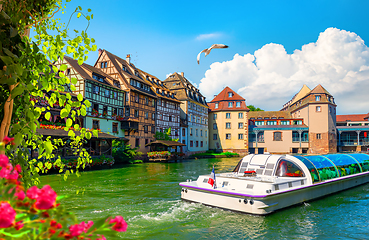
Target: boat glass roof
323,167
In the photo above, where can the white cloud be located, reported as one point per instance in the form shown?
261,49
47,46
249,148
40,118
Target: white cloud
338,60
208,36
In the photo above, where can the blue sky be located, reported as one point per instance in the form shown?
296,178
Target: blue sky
165,36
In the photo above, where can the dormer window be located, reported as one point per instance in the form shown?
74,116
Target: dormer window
124,68
136,73
230,104
238,104
317,98
104,64
98,78
230,94
216,105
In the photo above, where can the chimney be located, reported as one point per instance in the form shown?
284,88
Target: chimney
182,74
128,58
100,51
215,96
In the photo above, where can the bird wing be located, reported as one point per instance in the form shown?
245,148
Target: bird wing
198,55
219,46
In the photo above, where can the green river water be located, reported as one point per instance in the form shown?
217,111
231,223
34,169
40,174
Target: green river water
148,197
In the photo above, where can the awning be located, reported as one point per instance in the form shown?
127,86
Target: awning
165,143
62,133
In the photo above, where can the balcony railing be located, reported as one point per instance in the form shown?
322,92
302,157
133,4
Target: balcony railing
297,139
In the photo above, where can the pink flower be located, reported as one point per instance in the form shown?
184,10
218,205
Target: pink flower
120,224
19,193
18,225
77,229
4,160
8,140
7,215
46,198
32,192
8,172
102,237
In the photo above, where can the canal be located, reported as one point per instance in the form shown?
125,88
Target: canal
148,197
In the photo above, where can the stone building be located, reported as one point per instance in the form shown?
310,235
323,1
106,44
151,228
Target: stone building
306,124
228,123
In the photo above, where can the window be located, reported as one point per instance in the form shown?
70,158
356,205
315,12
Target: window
146,115
68,72
228,136
96,89
95,124
288,169
240,136
197,132
206,133
215,136
153,116
146,100
115,127
152,129
153,102
285,122
214,126
137,98
228,115
146,129
230,94
137,143
183,132
201,133
277,136
191,143
201,144
228,125
107,93
216,105
230,104
318,136
240,125
238,104
318,109
215,116
317,98
271,122
197,143
190,131
259,123
105,111
115,95
297,122
136,113
240,115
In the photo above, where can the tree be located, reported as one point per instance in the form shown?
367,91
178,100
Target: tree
26,71
166,135
252,108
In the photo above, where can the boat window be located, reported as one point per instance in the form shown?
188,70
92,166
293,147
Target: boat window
325,167
268,172
288,169
313,171
345,164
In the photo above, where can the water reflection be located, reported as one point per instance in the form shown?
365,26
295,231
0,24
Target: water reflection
148,196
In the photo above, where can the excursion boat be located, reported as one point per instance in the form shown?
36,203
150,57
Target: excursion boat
263,183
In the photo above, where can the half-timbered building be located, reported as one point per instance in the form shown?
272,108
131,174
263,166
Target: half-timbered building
194,112
167,107
139,112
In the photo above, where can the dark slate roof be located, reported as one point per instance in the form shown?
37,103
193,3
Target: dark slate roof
165,143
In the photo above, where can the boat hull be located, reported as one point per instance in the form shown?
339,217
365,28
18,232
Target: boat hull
268,203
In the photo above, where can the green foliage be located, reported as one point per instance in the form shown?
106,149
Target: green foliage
25,72
166,135
123,153
253,108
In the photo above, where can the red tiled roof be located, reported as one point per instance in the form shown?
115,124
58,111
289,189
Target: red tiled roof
351,117
223,96
223,99
320,89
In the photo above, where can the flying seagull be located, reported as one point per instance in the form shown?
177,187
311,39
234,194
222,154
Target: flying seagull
207,50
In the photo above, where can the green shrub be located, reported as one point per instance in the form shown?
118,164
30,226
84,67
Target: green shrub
123,153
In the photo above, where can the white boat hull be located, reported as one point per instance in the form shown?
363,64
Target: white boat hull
268,203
